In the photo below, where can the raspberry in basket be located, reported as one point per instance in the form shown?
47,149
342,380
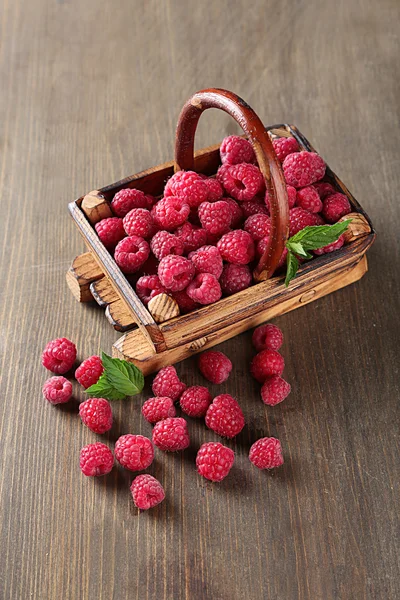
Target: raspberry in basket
267,337
324,189
171,435
175,272
275,390
335,207
57,390
167,383
300,218
204,289
254,207
157,409
96,459
267,363
189,187
215,217
149,286
215,191
192,237
195,400
285,146
110,231
235,278
235,150
59,355
89,371
237,247
96,414
258,226
303,168
214,461
266,453
185,303
127,199
171,212
242,182
291,194
309,199
224,416
146,491
215,366
331,247
236,213
207,259
139,222
134,452
165,243
131,253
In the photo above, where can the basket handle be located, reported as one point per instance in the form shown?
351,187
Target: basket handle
267,161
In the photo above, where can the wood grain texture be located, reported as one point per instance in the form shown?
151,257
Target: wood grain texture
78,111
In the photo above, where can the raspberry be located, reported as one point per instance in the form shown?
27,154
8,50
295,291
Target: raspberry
215,217
258,226
57,390
331,247
146,491
266,364
300,218
267,337
195,400
214,461
185,303
224,416
285,146
253,208
131,253
266,453
96,414
215,366
303,168
235,150
324,189
191,236
204,289
110,231
59,356
242,182
89,371
215,191
127,199
156,409
189,187
207,259
236,212
139,222
171,434
167,383
149,286
134,452
171,212
237,247
335,207
96,459
309,199
291,193
175,272
275,390
235,278
164,243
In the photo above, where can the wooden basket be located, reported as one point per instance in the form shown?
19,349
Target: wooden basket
157,335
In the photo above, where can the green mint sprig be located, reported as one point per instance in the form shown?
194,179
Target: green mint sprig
310,238
118,380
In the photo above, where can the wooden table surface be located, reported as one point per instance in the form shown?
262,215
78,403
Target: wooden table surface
90,93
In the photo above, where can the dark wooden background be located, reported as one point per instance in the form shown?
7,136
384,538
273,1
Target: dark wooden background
90,93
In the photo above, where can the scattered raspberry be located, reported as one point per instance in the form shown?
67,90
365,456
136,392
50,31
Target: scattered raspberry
191,236
96,459
139,222
127,199
331,247
258,226
204,289
266,364
214,461
146,491
171,434
335,207
291,193
175,272
235,150
275,390
156,409
195,400
134,452
242,182
207,259
267,337
300,218
309,199
57,390
185,303
266,453
236,213
96,414
171,212
59,356
215,191
189,187
110,231
324,189
164,243
167,383
224,416
149,286
303,168
215,217
285,146
235,278
237,247
131,253
254,207
215,366
89,371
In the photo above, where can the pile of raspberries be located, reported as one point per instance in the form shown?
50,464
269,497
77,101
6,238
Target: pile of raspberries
203,238
222,414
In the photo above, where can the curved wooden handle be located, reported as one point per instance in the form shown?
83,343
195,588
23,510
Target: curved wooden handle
267,161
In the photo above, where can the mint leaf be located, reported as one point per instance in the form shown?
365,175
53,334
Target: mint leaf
316,236
292,266
298,249
102,389
118,380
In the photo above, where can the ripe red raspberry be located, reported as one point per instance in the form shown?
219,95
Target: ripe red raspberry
164,243
266,453
267,337
258,226
235,278
189,187
167,383
127,199
275,390
331,247
291,193
175,272
224,416
157,409
195,400
110,231
266,364
215,191
236,212
324,189
185,303
215,217
57,390
300,218
191,236
59,356
254,207
214,461
146,491
96,459
235,150
242,182
303,168
215,366
131,253
204,289
139,222
96,414
207,259
89,371
309,199
171,212
134,452
237,247
149,286
285,146
171,434
335,207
